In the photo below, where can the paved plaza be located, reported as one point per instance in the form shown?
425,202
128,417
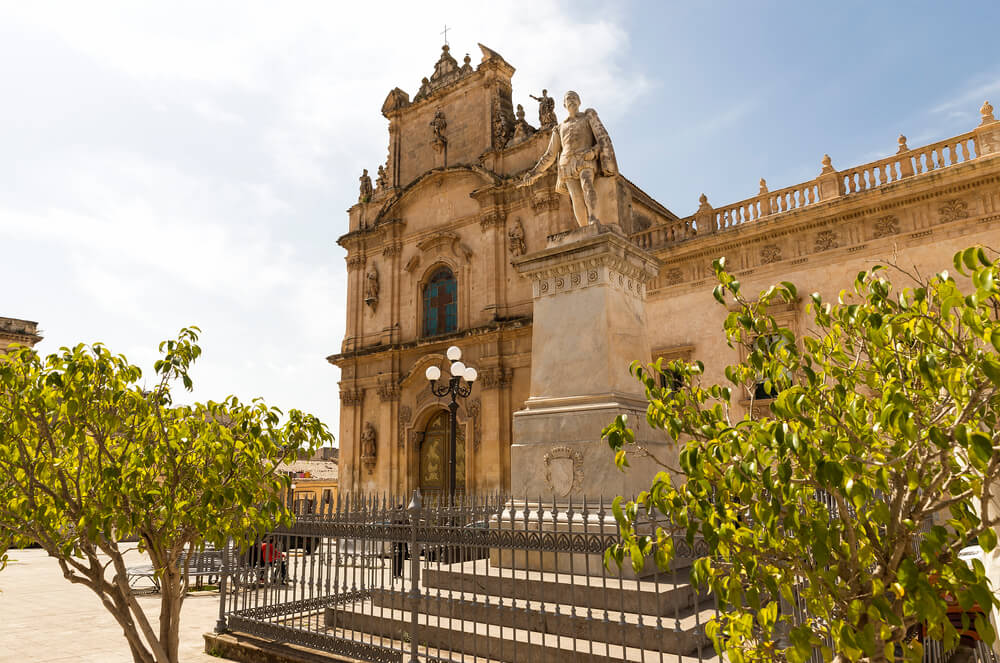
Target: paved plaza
46,619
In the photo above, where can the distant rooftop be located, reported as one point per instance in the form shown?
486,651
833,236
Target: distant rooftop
14,330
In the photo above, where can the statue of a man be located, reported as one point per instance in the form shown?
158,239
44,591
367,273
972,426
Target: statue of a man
371,287
583,148
438,126
368,448
366,187
546,109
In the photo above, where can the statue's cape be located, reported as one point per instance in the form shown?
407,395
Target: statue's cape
607,163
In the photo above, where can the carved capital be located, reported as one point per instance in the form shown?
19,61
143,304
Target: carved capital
496,377
393,249
388,391
405,414
355,262
492,218
351,397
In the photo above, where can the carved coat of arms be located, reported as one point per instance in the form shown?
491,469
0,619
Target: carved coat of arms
563,470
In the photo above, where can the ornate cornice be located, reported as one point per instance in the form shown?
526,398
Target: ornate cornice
388,389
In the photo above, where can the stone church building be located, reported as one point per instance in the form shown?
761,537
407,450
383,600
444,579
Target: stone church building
434,244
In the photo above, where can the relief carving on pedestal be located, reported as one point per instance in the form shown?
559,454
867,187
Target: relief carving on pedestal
953,210
563,470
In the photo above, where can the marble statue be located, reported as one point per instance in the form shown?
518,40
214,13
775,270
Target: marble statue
583,149
366,187
546,109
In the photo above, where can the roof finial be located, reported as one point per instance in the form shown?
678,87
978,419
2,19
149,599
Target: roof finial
986,111
445,33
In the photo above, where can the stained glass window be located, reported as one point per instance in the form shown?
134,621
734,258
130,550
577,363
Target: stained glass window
441,303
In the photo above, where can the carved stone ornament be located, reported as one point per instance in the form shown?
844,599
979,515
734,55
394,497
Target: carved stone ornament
673,276
355,262
826,240
475,410
954,210
369,447
438,126
382,180
388,390
396,99
770,253
885,226
515,239
405,414
563,470
371,288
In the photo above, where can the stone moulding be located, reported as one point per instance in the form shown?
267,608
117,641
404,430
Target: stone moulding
598,261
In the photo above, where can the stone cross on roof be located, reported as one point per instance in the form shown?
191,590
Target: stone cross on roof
445,33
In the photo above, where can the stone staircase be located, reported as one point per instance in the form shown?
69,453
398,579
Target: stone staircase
501,614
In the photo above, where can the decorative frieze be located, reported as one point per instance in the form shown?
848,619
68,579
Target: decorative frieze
393,249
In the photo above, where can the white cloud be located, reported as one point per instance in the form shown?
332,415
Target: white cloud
196,168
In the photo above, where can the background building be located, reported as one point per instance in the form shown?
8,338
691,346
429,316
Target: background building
22,332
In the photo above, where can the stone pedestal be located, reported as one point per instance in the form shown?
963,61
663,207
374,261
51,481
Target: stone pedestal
589,324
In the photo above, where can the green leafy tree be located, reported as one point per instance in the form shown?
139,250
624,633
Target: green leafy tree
89,458
876,462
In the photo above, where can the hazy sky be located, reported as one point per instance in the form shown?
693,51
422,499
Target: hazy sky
191,163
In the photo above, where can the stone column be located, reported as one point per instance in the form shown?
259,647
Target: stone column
589,324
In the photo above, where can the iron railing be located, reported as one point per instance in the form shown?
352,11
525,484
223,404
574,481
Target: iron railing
487,578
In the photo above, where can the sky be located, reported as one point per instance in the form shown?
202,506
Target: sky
189,163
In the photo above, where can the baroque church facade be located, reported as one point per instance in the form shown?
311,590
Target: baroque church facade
432,246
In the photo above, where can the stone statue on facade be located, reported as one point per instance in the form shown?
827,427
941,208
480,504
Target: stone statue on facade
583,149
546,109
366,187
371,288
369,448
438,126
515,239
381,180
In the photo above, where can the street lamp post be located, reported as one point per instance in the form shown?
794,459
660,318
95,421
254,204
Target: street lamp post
453,388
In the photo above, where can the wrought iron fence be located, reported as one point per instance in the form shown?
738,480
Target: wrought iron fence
486,578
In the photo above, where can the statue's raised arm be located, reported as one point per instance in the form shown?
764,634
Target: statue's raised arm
583,149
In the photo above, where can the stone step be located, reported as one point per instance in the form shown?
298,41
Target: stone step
682,633
449,639
669,593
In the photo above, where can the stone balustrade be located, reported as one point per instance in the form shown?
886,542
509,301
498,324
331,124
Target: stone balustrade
830,184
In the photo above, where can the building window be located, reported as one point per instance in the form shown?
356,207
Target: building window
669,378
441,303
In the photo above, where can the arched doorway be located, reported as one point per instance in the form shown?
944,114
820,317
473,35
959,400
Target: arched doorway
434,457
